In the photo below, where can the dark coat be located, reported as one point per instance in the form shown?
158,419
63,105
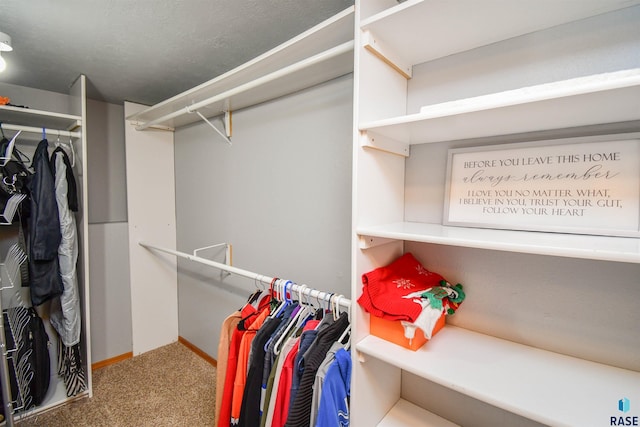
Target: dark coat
44,230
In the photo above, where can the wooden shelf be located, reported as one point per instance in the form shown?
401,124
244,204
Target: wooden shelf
470,24
406,414
606,248
544,386
599,99
39,118
227,92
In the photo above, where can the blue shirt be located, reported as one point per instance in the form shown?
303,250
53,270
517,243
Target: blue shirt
334,400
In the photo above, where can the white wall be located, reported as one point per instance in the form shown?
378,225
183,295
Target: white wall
580,307
281,195
151,212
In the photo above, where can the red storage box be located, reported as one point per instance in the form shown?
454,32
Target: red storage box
392,330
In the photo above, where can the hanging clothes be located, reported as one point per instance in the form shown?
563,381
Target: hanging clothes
44,231
318,384
300,412
248,314
250,409
243,365
274,381
283,395
280,352
65,311
224,345
336,391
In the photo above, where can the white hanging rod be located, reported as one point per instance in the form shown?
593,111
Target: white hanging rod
312,293
32,129
320,57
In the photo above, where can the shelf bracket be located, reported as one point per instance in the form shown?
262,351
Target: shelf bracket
368,242
228,256
226,135
383,143
380,50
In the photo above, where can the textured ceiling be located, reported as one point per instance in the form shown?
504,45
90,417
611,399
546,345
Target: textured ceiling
145,51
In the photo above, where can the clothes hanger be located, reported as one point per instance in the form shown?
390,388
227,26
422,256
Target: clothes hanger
8,152
275,311
286,297
73,153
69,146
335,306
297,320
287,328
347,330
253,297
325,312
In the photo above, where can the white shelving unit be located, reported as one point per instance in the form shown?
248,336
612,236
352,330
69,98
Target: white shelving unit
40,118
406,414
464,24
616,94
391,38
606,248
491,370
71,124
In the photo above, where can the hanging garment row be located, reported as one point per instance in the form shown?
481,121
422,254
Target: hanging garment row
284,360
48,235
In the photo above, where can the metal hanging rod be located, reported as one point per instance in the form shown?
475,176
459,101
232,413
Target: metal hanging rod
32,129
313,293
320,57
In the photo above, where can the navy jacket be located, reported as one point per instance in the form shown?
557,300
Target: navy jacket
44,230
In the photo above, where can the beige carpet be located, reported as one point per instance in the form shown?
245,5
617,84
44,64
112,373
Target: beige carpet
169,386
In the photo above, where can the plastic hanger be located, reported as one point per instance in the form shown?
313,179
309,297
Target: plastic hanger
73,153
298,319
68,145
284,301
8,152
325,312
347,330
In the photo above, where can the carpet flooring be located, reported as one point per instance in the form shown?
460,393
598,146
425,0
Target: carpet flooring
169,386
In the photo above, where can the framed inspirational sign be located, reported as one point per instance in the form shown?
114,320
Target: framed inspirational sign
579,185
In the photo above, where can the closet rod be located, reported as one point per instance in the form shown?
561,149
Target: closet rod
32,129
320,57
313,293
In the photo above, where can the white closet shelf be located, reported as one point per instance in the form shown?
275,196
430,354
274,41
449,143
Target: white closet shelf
599,99
56,396
471,24
605,248
547,387
39,118
406,414
235,89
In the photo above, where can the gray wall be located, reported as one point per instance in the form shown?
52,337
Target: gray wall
107,173
111,334
36,98
281,195
548,302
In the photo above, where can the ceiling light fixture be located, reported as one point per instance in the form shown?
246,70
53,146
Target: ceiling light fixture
5,46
